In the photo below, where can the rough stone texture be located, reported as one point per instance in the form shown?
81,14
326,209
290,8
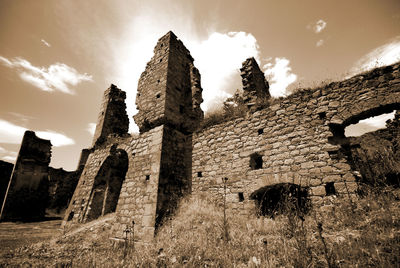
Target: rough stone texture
28,190
300,142
5,174
169,90
112,117
255,87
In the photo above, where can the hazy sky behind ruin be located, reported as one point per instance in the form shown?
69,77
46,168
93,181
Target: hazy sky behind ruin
58,57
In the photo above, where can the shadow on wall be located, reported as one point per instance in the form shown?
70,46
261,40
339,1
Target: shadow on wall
107,185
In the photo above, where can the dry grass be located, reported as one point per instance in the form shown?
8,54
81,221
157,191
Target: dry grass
336,235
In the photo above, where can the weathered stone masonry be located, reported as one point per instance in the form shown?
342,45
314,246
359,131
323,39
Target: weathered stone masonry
295,140
27,193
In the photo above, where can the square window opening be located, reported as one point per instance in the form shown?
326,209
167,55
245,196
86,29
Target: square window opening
241,197
256,161
330,188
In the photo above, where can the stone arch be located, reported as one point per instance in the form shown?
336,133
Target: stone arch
378,162
107,185
281,198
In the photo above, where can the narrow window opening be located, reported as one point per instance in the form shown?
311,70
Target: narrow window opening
241,197
260,131
322,115
160,60
158,81
147,177
70,216
158,96
330,188
199,174
256,161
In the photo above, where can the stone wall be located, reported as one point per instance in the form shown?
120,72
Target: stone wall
62,185
298,139
138,196
28,191
5,174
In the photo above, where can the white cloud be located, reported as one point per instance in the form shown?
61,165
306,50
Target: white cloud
56,139
57,76
219,59
381,56
8,155
319,26
91,128
45,43
368,125
279,75
320,43
9,158
11,133
218,56
5,61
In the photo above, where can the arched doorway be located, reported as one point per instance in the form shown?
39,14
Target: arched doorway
107,185
281,198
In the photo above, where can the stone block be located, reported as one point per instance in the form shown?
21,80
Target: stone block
318,191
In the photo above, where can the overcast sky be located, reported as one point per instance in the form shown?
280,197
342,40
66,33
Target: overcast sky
58,57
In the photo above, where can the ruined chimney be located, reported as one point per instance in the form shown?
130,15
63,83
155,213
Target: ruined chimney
112,117
255,86
169,90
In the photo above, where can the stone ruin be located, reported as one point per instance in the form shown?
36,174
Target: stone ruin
26,194
296,144
30,187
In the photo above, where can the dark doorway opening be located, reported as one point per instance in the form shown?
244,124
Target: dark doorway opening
281,198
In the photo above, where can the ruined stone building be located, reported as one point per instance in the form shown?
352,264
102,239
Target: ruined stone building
30,186
298,141
26,194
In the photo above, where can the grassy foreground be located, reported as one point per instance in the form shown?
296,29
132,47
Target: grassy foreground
362,233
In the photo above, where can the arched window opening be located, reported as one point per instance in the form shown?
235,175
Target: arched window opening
370,143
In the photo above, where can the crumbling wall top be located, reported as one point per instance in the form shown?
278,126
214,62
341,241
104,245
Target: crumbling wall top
255,86
34,148
112,118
